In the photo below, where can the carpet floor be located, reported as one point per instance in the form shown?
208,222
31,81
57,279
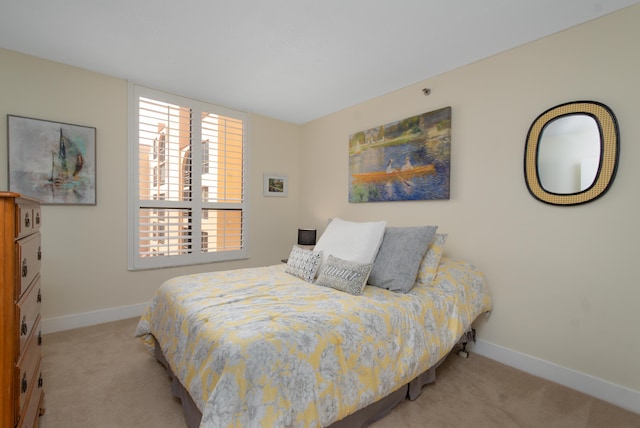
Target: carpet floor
101,376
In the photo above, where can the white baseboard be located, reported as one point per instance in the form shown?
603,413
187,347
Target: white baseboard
621,396
69,322
618,395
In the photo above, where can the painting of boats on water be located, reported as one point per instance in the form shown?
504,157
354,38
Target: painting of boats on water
405,160
52,162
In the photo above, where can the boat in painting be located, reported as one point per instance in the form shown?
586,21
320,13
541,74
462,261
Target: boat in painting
376,176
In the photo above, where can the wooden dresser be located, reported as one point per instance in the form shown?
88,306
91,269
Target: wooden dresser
22,394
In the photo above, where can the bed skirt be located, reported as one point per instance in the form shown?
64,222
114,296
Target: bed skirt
361,418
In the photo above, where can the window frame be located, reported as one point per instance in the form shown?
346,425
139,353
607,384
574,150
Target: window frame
196,204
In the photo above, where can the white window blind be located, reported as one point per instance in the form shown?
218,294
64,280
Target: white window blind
187,202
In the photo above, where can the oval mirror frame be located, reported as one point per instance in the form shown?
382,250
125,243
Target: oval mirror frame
609,152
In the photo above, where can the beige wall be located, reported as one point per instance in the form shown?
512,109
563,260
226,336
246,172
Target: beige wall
563,279
85,247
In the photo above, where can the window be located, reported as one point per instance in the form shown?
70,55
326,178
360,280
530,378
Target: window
187,198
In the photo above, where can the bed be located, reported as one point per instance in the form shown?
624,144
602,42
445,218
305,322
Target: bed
265,347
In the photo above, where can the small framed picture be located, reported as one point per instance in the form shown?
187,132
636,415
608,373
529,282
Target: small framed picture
53,162
275,185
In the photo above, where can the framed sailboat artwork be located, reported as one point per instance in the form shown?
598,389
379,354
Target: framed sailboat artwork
52,162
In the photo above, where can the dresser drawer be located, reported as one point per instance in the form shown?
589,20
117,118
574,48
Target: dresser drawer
29,257
37,218
28,375
33,409
27,312
28,219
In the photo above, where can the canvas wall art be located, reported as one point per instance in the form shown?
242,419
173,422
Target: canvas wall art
52,162
404,160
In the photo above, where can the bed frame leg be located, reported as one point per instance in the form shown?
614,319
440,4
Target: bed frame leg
469,336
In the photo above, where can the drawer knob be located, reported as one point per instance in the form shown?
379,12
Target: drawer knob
39,298
39,338
24,268
38,218
40,381
27,221
24,385
23,326
39,253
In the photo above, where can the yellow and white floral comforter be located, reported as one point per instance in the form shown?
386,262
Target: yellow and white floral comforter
261,348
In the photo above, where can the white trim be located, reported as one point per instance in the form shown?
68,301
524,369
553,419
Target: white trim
132,148
69,322
618,395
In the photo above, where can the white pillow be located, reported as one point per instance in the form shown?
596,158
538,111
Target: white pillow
353,241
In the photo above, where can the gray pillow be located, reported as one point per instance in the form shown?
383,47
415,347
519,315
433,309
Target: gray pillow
344,275
396,265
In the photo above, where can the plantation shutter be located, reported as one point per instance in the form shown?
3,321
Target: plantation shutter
188,168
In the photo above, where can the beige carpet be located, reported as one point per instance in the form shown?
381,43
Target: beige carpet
102,376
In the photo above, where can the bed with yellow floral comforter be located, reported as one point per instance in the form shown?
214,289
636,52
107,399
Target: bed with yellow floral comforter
260,347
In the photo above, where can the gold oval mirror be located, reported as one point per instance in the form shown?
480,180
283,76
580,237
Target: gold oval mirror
571,153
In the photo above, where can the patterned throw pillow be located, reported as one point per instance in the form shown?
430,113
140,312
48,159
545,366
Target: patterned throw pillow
344,275
303,263
431,260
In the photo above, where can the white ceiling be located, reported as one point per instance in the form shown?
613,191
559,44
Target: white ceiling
294,60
